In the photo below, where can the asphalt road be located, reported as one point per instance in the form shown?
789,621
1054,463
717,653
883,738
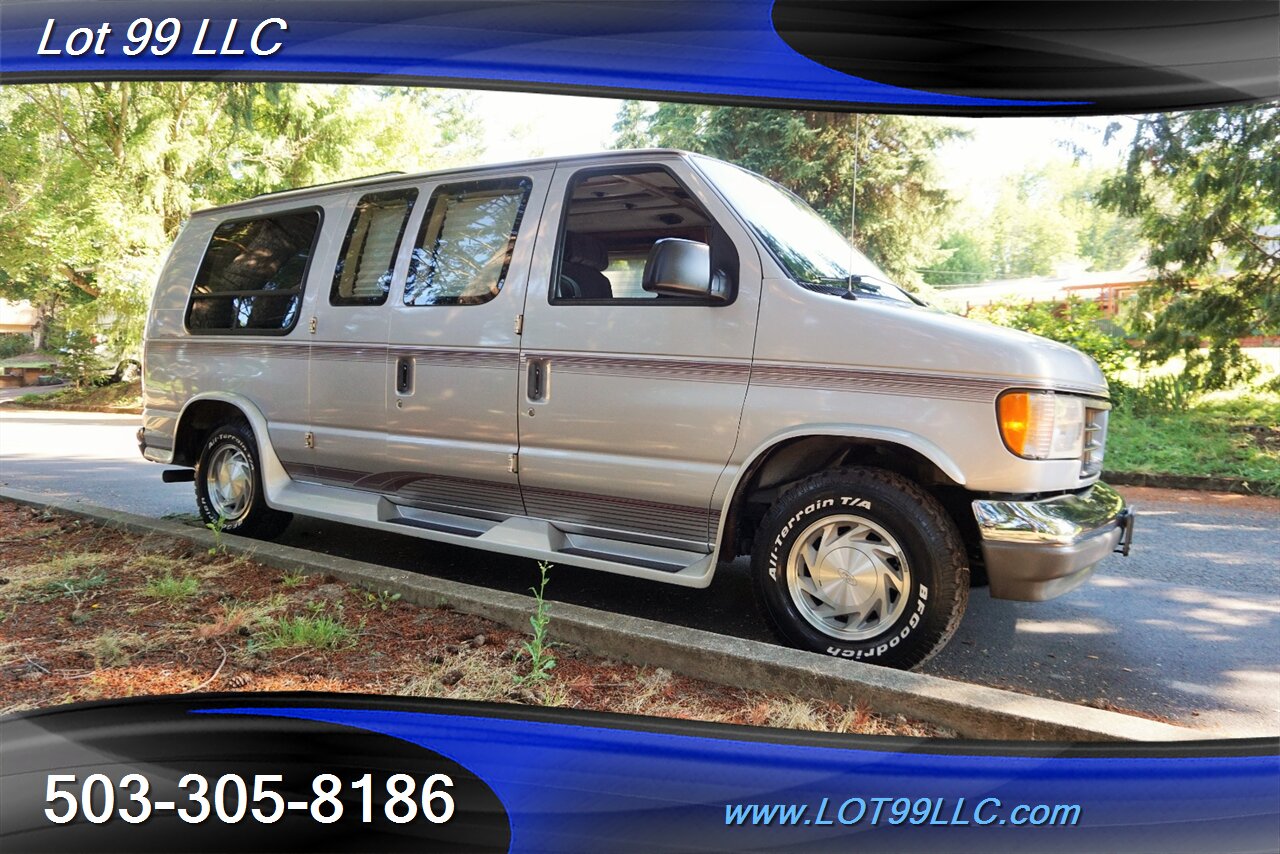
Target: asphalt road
1187,629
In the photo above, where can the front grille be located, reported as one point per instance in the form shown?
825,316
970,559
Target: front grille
1095,441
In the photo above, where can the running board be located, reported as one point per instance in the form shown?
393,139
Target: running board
521,536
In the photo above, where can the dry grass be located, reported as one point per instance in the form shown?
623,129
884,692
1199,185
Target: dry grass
233,618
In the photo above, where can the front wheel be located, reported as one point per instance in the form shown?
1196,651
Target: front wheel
229,485
862,564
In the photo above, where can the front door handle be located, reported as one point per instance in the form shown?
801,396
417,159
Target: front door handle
404,376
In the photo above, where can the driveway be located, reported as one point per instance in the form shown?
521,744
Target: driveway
1187,629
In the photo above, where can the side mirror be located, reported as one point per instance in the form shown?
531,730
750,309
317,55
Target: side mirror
681,268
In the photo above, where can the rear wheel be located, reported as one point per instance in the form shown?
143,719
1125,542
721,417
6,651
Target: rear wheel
229,485
863,564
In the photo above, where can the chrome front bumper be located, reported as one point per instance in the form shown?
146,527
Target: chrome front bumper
1036,550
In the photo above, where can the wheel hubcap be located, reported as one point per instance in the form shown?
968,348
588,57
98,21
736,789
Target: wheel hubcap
848,577
230,482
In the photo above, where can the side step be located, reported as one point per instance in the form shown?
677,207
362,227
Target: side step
520,536
660,566
572,545
445,523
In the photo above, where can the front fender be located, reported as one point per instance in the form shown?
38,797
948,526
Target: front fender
729,487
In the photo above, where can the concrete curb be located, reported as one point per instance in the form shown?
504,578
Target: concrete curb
972,711
1200,483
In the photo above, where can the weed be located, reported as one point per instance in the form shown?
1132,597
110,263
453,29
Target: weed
538,648
381,600
76,587
170,588
318,629
292,578
217,526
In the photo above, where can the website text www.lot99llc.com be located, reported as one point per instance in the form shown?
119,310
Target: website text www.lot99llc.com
898,811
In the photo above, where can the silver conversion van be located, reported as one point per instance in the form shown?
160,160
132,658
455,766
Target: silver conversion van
646,363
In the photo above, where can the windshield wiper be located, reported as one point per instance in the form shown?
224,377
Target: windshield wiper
849,286
842,284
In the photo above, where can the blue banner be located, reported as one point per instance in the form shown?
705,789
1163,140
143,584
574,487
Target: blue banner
394,773
970,58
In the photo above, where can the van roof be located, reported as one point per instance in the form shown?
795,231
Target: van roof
300,193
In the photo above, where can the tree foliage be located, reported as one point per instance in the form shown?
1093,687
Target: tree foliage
1037,221
900,203
1205,187
97,178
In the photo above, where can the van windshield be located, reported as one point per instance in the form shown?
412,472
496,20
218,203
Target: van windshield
813,253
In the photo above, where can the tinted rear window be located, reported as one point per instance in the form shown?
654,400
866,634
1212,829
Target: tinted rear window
252,275
465,242
363,274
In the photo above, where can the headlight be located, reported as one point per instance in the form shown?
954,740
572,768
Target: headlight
1042,425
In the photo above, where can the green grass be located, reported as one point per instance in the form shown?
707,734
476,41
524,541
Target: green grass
317,629
171,588
1205,439
292,578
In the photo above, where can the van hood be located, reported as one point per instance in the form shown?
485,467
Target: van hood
889,335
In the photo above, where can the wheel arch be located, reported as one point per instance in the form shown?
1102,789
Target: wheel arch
791,456
205,412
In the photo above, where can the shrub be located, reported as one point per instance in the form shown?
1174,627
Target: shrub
13,344
1162,394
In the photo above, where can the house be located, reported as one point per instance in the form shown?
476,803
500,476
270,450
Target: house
1109,288
16,317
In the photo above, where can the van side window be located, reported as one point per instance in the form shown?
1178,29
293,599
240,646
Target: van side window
464,246
363,273
252,275
611,221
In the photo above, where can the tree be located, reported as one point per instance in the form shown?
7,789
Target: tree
1205,186
1038,220
1105,238
97,178
900,203
968,260
1028,232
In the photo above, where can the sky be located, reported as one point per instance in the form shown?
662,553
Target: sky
519,126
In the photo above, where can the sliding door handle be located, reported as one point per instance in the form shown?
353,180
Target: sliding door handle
404,376
539,375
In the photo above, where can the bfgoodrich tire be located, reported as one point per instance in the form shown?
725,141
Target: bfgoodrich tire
861,564
229,485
